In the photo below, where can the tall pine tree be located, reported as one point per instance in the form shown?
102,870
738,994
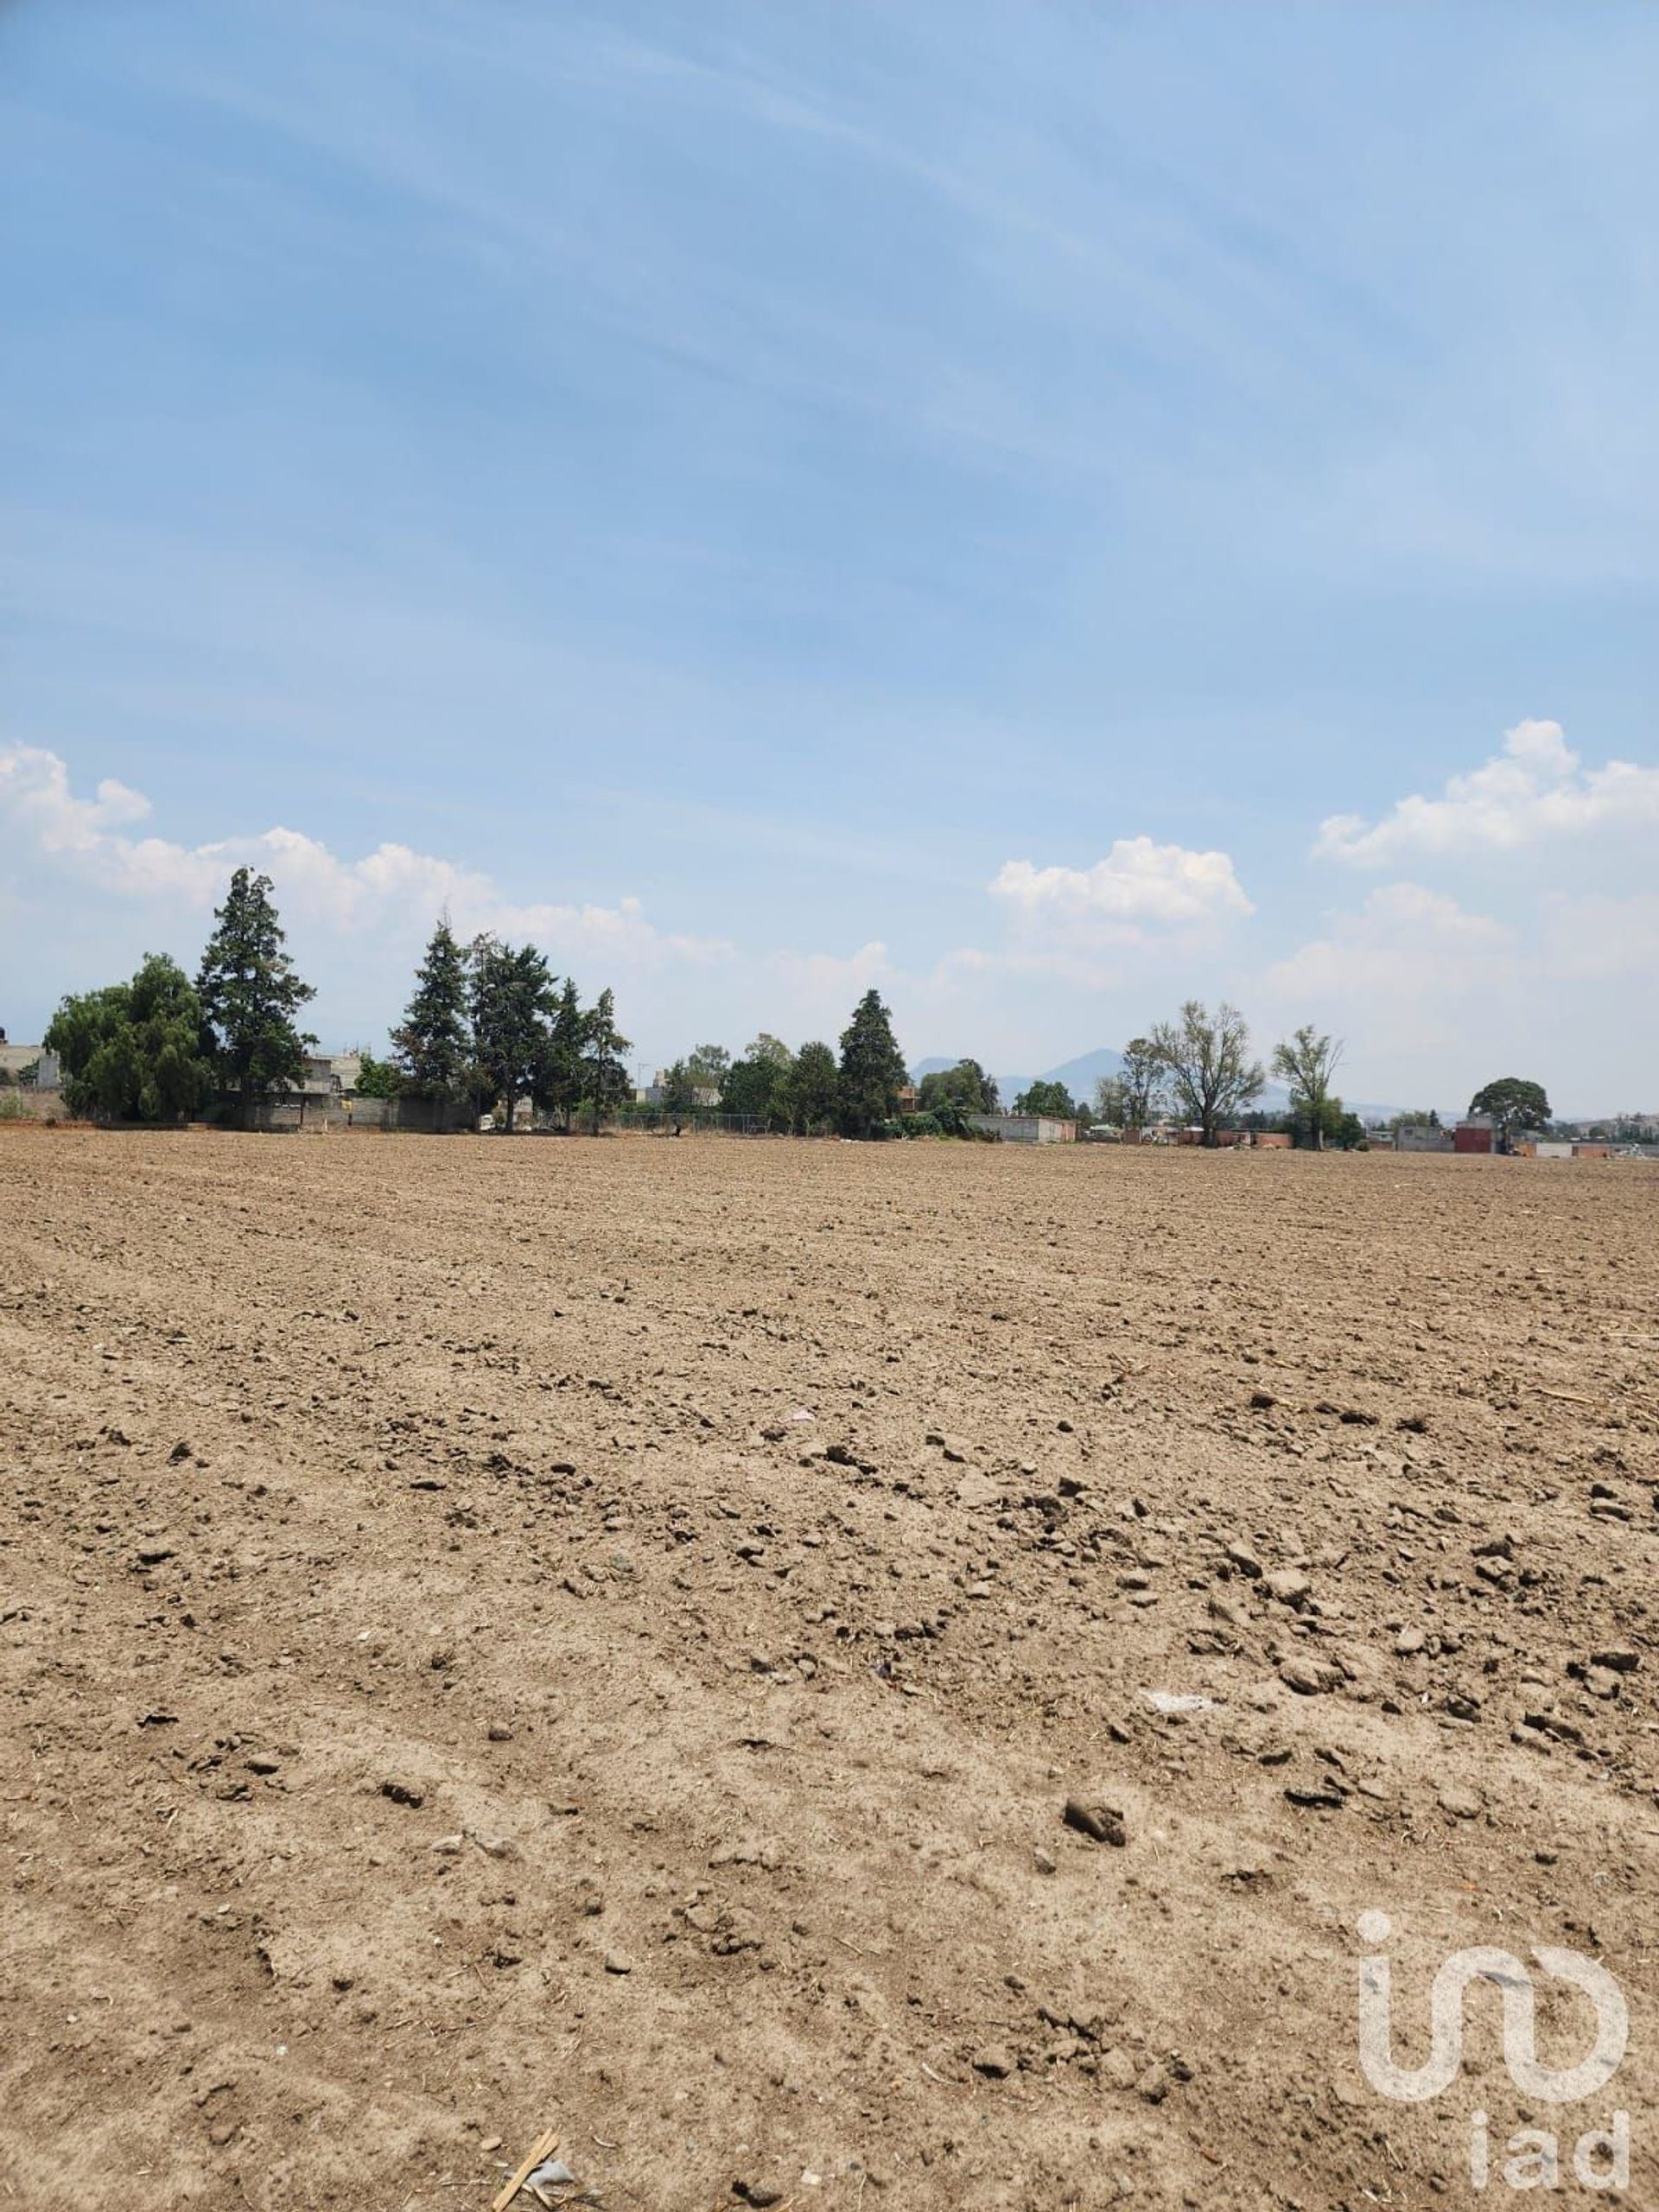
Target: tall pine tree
251,994
559,1084
433,1046
872,1067
604,1047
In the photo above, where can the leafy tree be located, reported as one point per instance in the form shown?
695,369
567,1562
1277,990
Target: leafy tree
603,1058
512,1006
873,1070
749,1088
679,1094
757,1086
251,994
1207,1059
1142,1078
1304,1064
432,1046
134,1052
709,1063
1311,1128
377,1078
813,1090
1514,1103
966,1087
1052,1099
559,1081
1349,1134
1133,1098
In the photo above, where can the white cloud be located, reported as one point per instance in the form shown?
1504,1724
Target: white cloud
1536,789
34,787
1140,886
1404,942
389,891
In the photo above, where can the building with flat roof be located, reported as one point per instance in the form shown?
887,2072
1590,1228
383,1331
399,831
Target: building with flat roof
1026,1128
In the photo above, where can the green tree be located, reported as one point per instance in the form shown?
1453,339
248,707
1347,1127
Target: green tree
1052,1099
757,1086
749,1088
250,995
605,1075
1142,1078
1310,1128
559,1082
1514,1103
134,1052
512,1005
966,1088
814,1090
767,1051
432,1046
873,1070
377,1078
1304,1064
1350,1133
1207,1059
709,1063
679,1094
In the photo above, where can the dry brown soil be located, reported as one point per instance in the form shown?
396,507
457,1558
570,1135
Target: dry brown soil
453,1691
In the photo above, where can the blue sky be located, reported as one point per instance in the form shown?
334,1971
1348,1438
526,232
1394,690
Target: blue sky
769,498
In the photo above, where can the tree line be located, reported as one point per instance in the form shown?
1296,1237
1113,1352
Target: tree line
487,1025
812,1091
1199,1067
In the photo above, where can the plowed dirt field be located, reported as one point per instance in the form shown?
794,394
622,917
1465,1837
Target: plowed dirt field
515,1635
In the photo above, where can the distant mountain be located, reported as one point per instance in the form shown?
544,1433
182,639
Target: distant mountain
1080,1076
